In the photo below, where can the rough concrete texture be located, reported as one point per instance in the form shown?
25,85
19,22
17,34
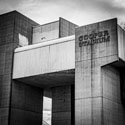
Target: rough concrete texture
11,24
63,105
26,104
97,89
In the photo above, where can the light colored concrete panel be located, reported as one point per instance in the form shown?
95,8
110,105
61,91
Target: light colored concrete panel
83,112
32,62
96,79
44,59
62,56
96,40
88,79
88,111
45,32
83,79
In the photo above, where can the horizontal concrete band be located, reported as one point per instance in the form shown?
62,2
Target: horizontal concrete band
51,42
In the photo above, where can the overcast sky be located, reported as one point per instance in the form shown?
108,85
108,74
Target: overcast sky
81,12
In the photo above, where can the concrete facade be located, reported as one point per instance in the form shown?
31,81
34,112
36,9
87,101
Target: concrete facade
63,105
53,30
26,104
97,76
84,72
11,24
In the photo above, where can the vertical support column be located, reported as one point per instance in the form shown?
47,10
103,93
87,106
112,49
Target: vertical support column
6,58
95,46
26,104
63,105
10,27
113,109
88,92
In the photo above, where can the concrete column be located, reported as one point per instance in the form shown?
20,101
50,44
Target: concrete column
26,104
6,58
63,105
113,109
97,88
11,24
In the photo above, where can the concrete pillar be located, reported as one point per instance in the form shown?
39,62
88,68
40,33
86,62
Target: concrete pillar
63,105
26,104
11,24
97,83
113,109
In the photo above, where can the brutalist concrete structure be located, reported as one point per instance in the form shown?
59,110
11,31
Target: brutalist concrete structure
11,24
82,67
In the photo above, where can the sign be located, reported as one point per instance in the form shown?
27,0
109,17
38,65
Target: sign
94,38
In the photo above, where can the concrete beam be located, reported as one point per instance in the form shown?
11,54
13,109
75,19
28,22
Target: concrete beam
50,79
49,57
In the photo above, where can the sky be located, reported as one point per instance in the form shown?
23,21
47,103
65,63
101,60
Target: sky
80,12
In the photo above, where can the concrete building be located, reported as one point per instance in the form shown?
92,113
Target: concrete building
80,68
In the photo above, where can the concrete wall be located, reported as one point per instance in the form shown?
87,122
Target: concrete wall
113,109
45,32
53,30
63,105
45,59
97,86
89,57
11,24
66,28
23,26
121,43
6,54
26,104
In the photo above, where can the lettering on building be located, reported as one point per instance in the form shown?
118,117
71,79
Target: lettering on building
94,38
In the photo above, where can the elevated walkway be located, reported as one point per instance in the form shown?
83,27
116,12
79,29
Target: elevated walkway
49,63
